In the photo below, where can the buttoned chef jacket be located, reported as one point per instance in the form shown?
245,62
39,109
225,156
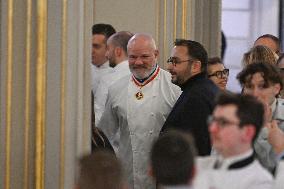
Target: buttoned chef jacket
138,122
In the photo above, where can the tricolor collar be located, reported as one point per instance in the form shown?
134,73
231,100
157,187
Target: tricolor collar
148,80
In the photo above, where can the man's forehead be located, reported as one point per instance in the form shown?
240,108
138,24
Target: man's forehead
179,50
99,38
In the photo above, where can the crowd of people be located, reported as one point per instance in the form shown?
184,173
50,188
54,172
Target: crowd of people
181,128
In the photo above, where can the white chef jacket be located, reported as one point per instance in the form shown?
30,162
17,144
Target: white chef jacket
119,71
97,73
279,180
250,176
139,122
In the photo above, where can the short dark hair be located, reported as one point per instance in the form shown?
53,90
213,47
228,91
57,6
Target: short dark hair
249,109
100,170
105,29
214,61
273,38
194,50
120,39
270,73
172,158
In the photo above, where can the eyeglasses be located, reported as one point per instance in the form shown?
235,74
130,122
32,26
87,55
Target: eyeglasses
220,74
221,122
174,61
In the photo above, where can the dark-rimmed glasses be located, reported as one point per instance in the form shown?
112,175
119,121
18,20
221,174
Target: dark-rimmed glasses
174,61
220,74
221,122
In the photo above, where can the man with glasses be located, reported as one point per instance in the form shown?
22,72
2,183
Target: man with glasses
233,126
187,64
217,72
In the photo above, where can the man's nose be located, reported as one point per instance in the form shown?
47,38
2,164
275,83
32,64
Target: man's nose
213,127
138,61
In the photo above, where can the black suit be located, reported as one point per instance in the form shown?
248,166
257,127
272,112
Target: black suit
191,110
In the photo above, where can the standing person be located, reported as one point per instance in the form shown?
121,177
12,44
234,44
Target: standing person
100,67
233,126
263,81
188,64
137,106
217,72
100,32
173,161
117,56
269,41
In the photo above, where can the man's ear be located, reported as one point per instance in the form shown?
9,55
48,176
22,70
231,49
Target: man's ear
156,53
196,66
117,51
249,132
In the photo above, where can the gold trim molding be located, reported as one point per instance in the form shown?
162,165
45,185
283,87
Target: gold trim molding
9,92
41,92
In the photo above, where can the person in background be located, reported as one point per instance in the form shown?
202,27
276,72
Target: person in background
259,54
233,126
100,170
217,72
117,56
173,161
100,34
263,81
137,106
99,67
187,65
269,41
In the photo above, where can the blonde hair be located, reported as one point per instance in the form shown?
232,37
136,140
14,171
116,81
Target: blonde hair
259,54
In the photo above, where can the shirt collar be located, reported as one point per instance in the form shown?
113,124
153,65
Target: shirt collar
121,65
193,79
227,162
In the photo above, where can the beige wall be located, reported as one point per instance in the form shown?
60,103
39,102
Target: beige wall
166,20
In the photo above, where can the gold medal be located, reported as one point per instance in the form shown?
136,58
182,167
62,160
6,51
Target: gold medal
139,95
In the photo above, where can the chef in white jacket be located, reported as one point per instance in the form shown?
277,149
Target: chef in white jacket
137,106
118,60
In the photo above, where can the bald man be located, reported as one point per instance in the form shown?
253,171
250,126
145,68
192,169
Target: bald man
137,107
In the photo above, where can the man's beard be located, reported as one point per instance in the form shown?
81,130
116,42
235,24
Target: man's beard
143,75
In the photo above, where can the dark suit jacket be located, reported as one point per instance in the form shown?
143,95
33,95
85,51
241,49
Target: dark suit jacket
192,109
